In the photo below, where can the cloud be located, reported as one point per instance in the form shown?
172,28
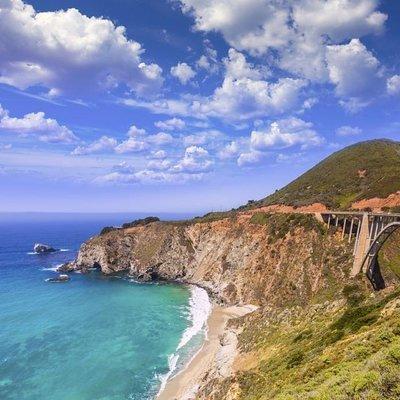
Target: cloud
203,137
134,131
131,145
353,70
294,34
159,154
46,129
116,178
244,93
124,168
195,160
171,124
183,72
352,18
230,150
7,146
290,158
259,25
348,131
101,145
159,165
286,133
193,166
69,53
393,85
354,104
138,141
281,134
209,60
160,139
237,67
147,176
251,157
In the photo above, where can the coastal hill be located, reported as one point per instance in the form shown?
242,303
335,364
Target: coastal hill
317,333
362,171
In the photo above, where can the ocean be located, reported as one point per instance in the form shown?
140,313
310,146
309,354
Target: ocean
94,337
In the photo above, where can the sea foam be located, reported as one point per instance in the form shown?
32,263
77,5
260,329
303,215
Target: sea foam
199,310
172,362
54,269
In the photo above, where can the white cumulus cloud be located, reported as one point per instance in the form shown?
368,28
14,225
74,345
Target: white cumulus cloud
295,34
285,133
195,160
393,84
46,129
353,70
69,53
101,145
171,124
183,72
131,145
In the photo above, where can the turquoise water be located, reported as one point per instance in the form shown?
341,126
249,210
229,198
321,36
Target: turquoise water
95,337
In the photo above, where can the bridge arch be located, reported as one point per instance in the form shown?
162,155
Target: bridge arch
370,262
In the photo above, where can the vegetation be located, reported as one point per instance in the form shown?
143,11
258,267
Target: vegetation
348,352
140,222
214,216
107,229
389,256
364,170
278,225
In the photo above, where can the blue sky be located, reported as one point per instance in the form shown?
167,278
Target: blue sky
186,105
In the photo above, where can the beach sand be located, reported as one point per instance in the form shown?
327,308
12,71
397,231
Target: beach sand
186,383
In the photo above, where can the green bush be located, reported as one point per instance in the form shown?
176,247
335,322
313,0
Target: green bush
279,225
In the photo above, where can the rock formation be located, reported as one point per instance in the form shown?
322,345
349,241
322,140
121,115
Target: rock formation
237,260
43,248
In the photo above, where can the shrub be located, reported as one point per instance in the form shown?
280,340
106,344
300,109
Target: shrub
107,229
140,222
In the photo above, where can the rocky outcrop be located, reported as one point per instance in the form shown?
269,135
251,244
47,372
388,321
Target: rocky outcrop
237,261
43,248
59,279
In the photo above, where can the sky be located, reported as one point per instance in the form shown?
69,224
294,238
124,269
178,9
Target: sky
186,105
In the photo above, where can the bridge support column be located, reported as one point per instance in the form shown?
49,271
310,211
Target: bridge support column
362,245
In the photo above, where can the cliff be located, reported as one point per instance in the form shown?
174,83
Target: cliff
261,259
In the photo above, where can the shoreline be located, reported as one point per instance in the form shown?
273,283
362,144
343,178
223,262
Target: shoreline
212,356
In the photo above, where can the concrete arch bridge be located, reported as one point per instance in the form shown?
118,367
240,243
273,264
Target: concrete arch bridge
369,231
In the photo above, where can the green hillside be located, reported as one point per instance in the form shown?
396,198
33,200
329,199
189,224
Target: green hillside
361,171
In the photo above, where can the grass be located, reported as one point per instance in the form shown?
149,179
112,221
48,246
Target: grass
340,354
340,179
214,216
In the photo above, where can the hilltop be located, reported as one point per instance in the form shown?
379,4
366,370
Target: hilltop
365,170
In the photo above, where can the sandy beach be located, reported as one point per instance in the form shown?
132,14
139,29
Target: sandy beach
210,357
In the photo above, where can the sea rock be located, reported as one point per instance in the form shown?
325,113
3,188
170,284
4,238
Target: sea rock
59,278
67,267
43,248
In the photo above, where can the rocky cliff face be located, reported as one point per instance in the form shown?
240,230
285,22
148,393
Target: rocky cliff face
239,260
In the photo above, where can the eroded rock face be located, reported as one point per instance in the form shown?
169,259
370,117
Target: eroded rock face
235,260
